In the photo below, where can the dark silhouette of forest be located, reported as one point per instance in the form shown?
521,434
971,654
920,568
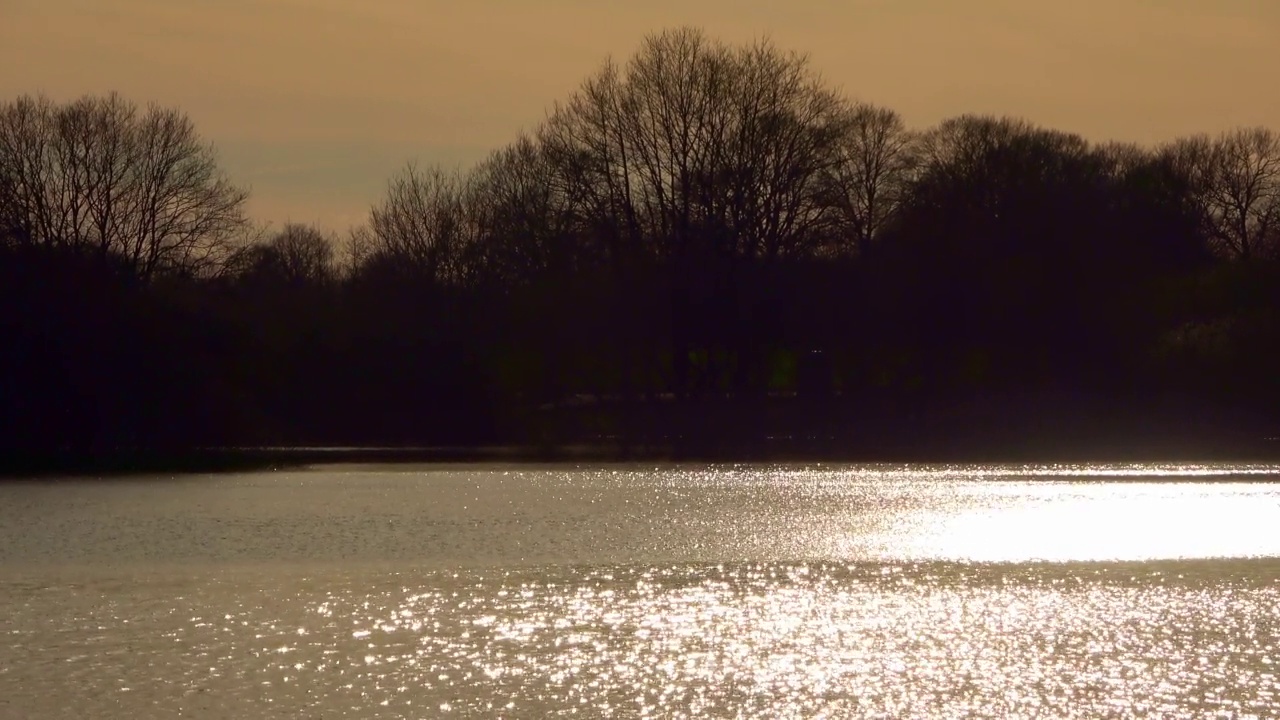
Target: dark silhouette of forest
705,248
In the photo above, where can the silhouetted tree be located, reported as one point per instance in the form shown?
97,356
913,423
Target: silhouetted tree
701,220
422,225
1244,192
526,221
1007,231
872,173
296,255
99,176
704,159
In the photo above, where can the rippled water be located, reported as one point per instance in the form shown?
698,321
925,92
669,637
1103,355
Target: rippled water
1090,592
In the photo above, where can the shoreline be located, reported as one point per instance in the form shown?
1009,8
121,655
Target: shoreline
139,462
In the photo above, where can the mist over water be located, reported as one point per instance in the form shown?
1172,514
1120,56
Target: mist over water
872,591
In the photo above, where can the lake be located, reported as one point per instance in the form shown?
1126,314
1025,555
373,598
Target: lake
348,591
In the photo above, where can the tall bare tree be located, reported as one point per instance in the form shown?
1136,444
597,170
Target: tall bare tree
705,160
423,224
526,222
1244,195
1192,160
1234,183
787,132
357,248
695,146
97,174
873,173
26,154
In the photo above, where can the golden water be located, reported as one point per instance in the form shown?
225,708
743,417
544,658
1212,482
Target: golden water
1090,592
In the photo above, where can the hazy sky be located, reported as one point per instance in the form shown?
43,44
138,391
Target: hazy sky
316,103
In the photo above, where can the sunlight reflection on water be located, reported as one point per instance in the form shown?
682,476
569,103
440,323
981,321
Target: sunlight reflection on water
1114,523
723,592
756,640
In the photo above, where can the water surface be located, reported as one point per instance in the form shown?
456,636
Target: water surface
872,591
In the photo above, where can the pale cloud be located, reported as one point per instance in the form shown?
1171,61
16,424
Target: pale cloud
315,103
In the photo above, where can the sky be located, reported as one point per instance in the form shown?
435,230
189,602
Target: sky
315,104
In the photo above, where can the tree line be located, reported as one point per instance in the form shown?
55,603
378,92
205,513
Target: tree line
704,242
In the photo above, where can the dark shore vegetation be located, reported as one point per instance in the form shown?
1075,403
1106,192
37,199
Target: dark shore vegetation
705,251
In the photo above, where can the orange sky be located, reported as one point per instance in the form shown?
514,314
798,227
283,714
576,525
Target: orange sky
315,103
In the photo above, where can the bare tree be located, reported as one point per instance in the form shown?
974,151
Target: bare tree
968,144
695,146
423,225
874,170
98,175
1121,157
996,162
706,161
357,249
585,141
26,137
526,223
1233,182
1191,160
304,254
1155,205
1244,192
296,255
787,131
